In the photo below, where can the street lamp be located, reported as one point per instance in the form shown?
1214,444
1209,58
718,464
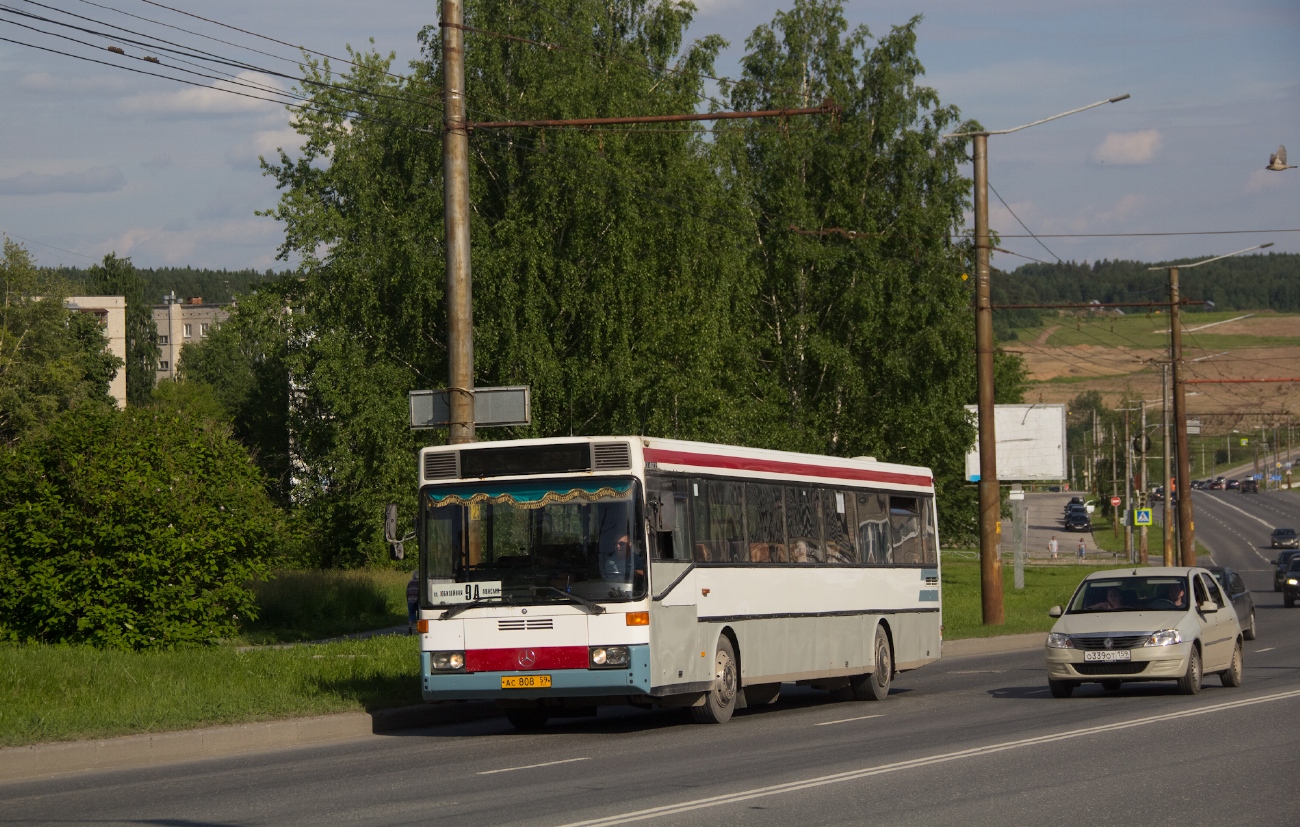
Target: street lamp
1186,542
989,496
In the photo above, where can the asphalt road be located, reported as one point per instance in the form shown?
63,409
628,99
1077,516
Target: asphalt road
975,740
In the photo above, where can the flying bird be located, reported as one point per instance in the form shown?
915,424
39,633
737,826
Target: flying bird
1277,161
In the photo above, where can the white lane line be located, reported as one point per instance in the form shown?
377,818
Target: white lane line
1269,649
846,720
853,775
532,766
1269,526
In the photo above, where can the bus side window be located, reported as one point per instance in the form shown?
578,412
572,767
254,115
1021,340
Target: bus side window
803,525
703,550
726,520
766,520
837,520
905,527
873,529
929,533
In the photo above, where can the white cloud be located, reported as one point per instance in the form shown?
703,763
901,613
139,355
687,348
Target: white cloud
1128,147
206,100
265,144
1265,180
182,243
95,179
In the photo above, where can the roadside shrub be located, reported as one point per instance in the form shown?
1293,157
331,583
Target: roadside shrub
314,604
130,529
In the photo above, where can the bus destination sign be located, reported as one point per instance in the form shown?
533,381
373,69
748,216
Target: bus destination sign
443,594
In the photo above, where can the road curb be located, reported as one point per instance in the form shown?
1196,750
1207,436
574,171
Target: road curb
993,645
48,760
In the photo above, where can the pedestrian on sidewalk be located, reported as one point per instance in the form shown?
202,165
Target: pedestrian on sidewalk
1053,547
1082,548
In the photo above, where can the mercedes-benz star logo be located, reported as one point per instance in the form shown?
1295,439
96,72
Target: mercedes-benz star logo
526,658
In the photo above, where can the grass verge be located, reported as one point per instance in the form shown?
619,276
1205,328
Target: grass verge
60,693
1025,610
299,605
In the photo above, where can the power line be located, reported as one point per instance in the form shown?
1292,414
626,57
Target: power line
1022,224
1147,235
51,246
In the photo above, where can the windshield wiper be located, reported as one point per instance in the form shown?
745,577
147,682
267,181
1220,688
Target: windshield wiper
463,607
594,608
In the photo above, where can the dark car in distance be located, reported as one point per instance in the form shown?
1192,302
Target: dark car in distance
1291,582
1232,484
1249,487
1284,538
1283,560
1077,521
1235,588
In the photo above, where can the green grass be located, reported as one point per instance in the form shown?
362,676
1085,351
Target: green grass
1145,331
59,693
298,605
1025,610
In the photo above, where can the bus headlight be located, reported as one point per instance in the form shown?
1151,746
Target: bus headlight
608,657
447,661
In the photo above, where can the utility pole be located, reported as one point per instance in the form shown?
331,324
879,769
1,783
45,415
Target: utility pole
1128,492
990,497
1114,482
455,172
1168,524
1143,548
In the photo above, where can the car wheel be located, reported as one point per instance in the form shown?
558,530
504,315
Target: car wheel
1111,686
1232,675
1249,632
875,686
720,701
1190,683
1061,689
1289,601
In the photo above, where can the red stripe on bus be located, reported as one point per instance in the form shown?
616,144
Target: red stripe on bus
776,466
528,659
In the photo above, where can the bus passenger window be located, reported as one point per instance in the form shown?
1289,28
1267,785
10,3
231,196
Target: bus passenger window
905,528
766,520
837,520
873,529
803,525
726,520
929,534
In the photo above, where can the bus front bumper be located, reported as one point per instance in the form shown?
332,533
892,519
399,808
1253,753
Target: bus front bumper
565,683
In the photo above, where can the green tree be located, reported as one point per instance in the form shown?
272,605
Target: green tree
51,359
118,277
130,529
869,336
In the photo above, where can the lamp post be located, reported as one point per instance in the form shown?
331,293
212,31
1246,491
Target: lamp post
990,500
1186,525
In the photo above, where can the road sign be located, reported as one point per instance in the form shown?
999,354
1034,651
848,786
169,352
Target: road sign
1141,516
492,406
1114,500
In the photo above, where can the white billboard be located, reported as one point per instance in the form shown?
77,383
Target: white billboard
1031,443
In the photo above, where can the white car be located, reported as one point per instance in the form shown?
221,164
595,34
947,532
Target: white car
1138,624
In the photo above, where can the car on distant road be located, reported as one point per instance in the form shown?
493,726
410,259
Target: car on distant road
1077,521
1280,566
1144,624
1232,484
1291,582
1284,538
1217,484
1235,588
1157,494
1249,487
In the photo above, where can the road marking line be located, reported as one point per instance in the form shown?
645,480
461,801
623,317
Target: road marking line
1269,526
846,720
532,766
1269,649
974,752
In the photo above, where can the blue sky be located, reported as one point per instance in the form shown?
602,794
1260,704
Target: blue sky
98,160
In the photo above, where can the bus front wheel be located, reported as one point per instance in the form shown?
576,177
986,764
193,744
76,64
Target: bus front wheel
720,701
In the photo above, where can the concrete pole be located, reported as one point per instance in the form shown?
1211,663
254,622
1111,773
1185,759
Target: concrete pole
1114,483
989,495
1143,502
1128,492
1168,514
455,198
1186,527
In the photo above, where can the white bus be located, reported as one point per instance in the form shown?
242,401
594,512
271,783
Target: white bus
563,574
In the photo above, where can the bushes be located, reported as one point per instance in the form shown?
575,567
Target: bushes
130,529
310,605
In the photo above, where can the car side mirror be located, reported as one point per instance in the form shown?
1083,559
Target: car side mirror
1055,611
1209,606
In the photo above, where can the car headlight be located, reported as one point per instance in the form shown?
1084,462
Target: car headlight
608,657
1291,581
1056,640
447,661
1165,637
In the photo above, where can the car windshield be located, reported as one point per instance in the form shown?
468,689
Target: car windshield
1294,565
1284,532
1130,594
541,540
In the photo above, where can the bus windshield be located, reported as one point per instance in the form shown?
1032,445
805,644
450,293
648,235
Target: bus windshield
542,540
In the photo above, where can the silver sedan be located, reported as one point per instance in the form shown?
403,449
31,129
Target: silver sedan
1144,624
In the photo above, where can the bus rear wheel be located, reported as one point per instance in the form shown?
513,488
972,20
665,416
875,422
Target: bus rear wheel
720,701
875,686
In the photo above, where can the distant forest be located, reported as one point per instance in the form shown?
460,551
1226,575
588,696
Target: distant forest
215,286
1258,282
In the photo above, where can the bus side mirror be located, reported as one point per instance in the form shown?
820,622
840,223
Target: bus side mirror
662,511
390,523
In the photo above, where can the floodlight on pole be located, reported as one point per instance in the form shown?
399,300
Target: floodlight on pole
1186,524
990,498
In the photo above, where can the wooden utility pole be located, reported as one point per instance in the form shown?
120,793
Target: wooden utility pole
1186,529
1168,524
455,197
1143,494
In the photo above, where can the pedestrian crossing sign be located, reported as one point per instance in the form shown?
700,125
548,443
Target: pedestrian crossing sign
1141,516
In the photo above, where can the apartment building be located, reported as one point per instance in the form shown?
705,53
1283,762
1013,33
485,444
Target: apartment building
111,311
180,321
